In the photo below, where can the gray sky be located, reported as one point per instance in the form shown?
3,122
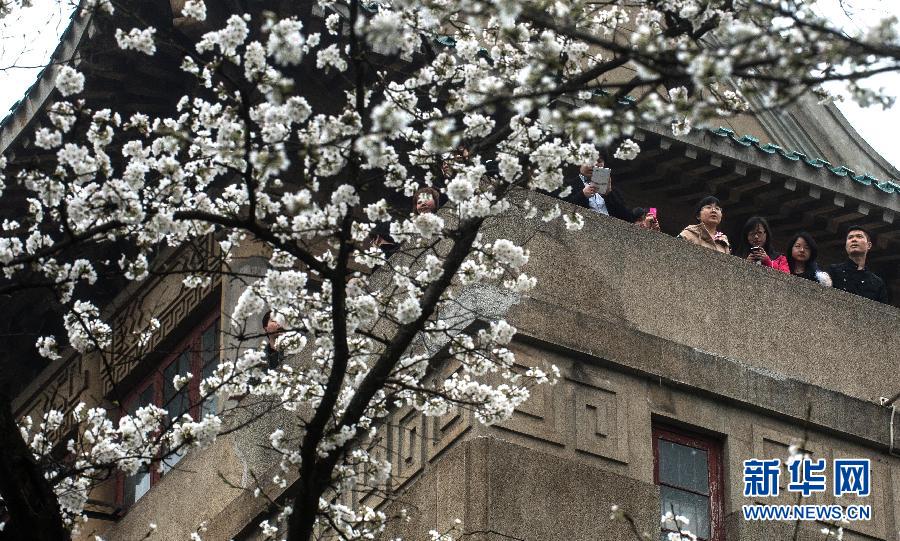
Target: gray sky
29,37
876,125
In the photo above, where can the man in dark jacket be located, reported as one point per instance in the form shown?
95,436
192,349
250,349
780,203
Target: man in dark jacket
272,329
584,194
852,275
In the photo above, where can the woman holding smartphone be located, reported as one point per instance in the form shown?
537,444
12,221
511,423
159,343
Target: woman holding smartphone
755,245
646,218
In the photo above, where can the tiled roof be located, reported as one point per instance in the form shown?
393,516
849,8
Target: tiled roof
886,186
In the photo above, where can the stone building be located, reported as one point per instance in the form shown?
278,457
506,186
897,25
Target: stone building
678,364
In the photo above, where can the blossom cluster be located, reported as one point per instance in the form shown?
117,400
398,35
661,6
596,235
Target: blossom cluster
256,155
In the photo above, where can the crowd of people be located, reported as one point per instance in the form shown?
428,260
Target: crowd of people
754,243
592,188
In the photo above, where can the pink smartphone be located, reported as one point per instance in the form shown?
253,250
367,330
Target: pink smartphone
652,211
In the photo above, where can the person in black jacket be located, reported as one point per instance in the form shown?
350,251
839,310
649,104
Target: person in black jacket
272,328
852,276
584,194
801,257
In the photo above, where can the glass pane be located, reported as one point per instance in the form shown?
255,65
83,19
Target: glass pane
178,403
695,508
209,342
210,406
144,398
683,466
169,462
136,486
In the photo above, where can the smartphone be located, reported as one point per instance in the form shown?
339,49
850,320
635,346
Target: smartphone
758,250
652,212
600,179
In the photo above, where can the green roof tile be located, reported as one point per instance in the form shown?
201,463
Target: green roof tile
885,186
842,171
371,7
446,41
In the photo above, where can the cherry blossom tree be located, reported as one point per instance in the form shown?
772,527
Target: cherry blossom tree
481,98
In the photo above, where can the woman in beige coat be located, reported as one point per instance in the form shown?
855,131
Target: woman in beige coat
706,233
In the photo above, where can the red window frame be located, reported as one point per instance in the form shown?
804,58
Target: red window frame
713,448
191,343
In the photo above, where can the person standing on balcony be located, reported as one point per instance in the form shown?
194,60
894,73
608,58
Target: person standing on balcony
272,329
706,233
852,275
646,218
426,200
585,193
755,245
801,259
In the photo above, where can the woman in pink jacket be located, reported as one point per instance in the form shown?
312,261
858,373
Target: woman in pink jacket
755,245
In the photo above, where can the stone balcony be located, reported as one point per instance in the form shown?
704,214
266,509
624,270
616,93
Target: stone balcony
648,329
645,329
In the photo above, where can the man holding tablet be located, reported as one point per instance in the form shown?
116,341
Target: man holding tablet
592,189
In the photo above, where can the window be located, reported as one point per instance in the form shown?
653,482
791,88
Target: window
198,354
688,470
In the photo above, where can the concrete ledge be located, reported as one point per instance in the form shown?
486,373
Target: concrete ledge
611,277
503,491
731,381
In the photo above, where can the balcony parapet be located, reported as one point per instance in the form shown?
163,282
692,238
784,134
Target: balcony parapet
612,276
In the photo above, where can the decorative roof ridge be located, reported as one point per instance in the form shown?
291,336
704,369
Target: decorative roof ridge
888,186
20,114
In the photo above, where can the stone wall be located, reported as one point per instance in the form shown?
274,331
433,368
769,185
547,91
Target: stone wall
645,329
580,446
618,277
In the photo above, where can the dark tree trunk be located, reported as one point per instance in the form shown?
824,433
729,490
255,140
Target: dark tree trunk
32,507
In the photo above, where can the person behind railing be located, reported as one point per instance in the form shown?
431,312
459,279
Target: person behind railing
597,193
272,329
380,236
755,245
706,233
646,218
852,275
426,200
459,157
801,259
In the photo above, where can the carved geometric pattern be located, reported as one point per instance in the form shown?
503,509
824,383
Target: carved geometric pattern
600,421
445,430
768,444
378,450
126,350
538,417
407,449
879,481
62,392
